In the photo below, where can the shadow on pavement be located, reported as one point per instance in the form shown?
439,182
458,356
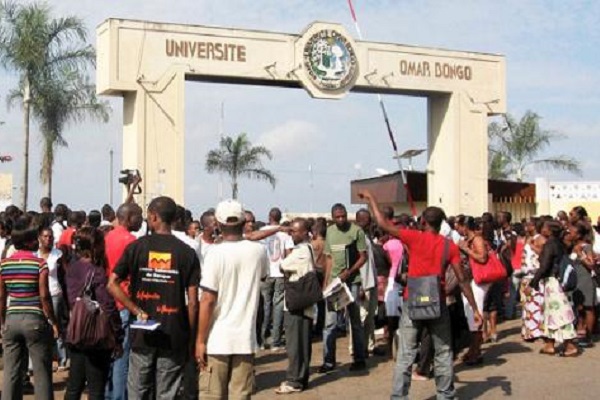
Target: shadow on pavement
510,332
267,358
493,355
269,380
475,389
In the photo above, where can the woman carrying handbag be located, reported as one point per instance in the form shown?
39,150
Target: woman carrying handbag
86,279
475,249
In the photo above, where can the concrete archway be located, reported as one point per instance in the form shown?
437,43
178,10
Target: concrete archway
147,64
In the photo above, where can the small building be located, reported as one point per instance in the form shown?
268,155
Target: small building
517,197
6,188
554,196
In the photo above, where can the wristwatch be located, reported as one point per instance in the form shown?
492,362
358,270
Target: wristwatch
139,312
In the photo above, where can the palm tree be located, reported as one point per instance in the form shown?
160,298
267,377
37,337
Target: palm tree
237,158
514,147
70,99
39,48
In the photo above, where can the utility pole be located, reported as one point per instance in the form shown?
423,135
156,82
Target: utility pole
110,179
221,135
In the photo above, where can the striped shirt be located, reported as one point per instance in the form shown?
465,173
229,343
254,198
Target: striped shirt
20,273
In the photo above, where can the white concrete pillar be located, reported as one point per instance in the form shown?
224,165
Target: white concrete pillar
458,163
153,136
542,196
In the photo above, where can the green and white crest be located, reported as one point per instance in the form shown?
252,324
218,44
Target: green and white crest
330,60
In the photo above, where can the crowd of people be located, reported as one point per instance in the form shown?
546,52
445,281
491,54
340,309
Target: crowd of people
181,306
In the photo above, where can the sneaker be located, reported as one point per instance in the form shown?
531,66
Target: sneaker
286,388
358,366
418,377
326,368
277,348
62,368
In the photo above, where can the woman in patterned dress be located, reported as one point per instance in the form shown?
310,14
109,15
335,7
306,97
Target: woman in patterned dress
532,314
558,313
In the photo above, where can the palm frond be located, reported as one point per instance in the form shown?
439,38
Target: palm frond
561,162
518,145
259,174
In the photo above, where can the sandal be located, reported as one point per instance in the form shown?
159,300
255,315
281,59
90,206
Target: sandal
547,353
573,353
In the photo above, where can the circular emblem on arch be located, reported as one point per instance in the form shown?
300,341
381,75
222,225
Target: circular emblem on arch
330,60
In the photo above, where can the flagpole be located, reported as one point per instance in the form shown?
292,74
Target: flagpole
387,124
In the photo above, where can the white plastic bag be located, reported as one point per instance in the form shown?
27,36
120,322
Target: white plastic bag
393,301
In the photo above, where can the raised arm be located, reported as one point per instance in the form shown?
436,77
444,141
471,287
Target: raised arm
477,251
381,221
132,189
255,236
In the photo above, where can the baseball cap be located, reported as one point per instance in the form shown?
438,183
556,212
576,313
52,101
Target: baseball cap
230,212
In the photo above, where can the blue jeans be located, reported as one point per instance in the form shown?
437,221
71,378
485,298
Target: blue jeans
443,369
116,388
359,347
60,312
272,292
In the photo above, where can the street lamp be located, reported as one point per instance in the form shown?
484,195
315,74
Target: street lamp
409,154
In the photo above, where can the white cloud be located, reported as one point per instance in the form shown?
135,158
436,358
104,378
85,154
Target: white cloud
291,138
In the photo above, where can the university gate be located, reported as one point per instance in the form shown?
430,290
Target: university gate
147,63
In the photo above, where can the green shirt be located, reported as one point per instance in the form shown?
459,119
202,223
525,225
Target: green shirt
336,245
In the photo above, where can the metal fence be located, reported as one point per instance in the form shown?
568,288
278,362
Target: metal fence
519,207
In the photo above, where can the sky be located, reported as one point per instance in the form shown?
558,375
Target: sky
552,56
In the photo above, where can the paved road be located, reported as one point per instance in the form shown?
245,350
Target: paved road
511,369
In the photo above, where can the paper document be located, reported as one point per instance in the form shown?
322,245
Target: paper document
338,294
149,325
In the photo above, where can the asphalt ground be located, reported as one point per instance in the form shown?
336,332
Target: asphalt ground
511,369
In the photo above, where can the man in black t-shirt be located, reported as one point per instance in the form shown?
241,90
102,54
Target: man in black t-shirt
162,270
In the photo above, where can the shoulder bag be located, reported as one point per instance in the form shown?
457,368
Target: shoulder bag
425,293
304,292
492,271
89,327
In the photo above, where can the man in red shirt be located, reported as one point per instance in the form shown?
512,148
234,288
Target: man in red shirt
129,219
426,249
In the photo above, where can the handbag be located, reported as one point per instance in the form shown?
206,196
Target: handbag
492,271
304,292
567,275
425,294
89,327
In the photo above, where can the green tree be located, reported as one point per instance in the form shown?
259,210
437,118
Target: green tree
516,146
70,98
237,158
39,49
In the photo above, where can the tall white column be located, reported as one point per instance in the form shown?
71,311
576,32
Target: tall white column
458,162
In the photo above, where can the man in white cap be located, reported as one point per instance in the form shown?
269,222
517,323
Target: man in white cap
230,283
